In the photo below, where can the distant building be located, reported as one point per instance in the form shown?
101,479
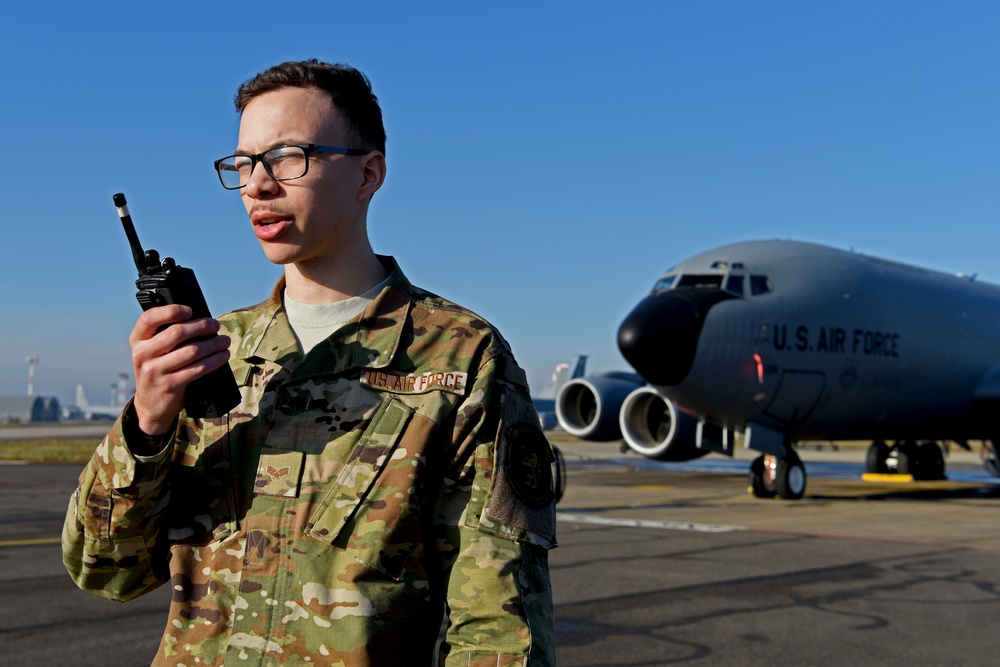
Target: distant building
28,409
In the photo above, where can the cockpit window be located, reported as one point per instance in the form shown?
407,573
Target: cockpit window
664,283
734,285
699,280
760,285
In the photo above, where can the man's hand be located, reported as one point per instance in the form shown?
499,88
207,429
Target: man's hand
165,363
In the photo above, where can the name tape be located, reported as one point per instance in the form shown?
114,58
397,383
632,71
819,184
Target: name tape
416,384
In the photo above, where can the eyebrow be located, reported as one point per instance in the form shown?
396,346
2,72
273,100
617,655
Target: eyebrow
281,142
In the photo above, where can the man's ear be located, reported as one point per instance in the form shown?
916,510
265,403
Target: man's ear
372,175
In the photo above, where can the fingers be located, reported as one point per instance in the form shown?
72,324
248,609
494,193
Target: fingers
154,319
166,360
162,329
179,335
190,359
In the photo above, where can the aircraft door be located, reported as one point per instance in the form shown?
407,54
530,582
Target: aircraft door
796,397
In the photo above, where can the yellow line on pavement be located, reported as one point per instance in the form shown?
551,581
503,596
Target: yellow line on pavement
22,543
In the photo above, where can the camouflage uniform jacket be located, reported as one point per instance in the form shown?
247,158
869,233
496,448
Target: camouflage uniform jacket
357,494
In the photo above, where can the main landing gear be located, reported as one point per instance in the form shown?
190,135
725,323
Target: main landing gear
782,476
923,460
989,456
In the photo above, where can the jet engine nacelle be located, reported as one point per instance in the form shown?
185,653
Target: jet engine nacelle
547,420
588,407
654,427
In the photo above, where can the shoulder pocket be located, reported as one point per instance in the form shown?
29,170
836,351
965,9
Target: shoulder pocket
370,511
520,502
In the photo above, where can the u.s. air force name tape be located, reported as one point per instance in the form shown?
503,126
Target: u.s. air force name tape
416,384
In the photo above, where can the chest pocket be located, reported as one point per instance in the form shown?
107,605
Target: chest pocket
371,511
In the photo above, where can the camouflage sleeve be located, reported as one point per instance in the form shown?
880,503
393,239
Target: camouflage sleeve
498,523
112,531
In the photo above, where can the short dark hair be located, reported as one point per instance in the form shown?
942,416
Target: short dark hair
350,90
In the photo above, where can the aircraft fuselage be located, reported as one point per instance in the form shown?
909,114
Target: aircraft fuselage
837,345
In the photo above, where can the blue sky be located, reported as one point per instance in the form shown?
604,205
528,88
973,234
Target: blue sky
547,161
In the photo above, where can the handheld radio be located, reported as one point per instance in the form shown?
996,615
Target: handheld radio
162,283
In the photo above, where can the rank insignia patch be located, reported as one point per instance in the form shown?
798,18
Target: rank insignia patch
529,465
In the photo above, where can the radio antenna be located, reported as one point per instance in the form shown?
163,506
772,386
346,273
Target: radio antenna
133,240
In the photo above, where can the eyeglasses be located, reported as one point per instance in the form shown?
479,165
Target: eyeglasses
282,163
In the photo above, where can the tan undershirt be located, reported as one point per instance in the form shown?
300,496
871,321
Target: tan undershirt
314,322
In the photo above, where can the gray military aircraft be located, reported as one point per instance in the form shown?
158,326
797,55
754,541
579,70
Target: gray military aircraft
786,342
88,411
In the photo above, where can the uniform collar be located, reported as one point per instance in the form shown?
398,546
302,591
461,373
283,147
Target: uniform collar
367,341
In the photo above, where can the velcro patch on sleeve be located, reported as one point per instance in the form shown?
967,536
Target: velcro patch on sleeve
529,464
522,493
417,383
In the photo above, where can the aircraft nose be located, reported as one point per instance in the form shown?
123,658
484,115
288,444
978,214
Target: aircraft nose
660,336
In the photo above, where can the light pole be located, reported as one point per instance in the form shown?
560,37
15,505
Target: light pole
32,362
122,387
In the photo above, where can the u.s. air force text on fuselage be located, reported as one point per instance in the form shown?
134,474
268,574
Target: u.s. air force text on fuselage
835,340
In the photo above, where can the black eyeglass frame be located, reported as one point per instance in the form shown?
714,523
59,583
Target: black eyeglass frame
308,149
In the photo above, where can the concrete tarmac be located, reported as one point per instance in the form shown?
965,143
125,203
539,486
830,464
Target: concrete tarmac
47,619
657,565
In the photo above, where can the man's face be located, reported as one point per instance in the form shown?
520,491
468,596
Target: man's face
314,218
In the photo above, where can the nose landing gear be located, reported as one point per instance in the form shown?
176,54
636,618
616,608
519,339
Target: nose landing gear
782,476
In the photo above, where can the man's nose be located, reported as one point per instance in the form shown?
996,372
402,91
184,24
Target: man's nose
260,184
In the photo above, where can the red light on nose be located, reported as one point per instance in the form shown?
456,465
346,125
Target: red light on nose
760,368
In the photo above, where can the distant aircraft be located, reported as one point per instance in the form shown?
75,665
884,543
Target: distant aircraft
545,401
786,342
89,411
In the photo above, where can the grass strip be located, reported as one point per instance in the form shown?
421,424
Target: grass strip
56,450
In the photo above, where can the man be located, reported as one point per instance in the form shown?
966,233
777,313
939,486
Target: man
384,467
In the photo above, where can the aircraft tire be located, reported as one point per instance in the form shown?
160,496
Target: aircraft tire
905,458
756,482
990,461
927,461
790,481
875,458
938,462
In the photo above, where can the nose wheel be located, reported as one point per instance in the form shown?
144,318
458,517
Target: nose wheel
782,476
759,484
